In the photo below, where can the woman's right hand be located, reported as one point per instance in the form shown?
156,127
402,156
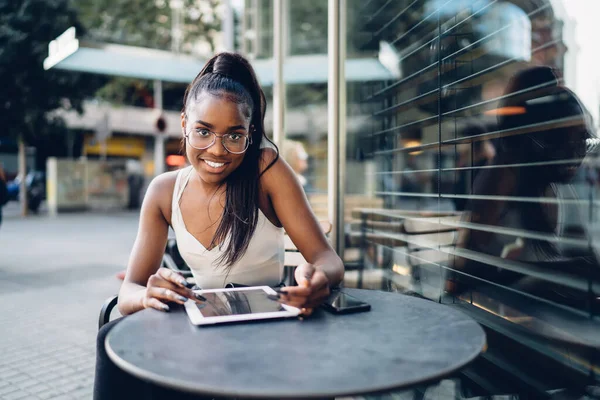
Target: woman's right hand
167,286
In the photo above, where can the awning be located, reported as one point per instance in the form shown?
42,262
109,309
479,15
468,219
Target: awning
68,53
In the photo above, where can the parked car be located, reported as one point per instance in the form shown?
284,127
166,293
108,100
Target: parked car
36,189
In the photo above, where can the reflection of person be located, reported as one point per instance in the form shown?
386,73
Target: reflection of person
481,153
227,210
532,163
294,153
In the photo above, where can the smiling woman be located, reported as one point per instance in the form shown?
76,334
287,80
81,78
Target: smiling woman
228,209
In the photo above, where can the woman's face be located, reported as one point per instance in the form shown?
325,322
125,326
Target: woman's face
222,116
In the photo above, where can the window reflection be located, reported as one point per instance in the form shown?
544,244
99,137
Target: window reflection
529,191
482,180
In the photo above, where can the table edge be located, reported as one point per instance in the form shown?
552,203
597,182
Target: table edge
183,386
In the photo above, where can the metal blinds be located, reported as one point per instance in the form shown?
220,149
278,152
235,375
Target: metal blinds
483,167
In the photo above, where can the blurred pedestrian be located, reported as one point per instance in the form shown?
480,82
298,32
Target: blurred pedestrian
296,156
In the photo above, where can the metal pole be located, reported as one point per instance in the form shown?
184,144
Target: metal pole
336,110
278,84
159,141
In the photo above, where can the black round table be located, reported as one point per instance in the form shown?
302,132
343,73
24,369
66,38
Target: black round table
403,341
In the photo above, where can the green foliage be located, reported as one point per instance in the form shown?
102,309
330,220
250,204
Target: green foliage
29,93
147,23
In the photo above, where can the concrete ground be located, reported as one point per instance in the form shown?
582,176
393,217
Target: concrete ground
55,273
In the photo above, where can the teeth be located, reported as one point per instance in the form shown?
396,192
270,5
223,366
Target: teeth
214,164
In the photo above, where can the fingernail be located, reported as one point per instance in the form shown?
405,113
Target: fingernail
165,307
196,287
273,297
199,296
187,284
181,298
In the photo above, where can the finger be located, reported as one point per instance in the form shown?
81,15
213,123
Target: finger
158,281
166,294
174,278
319,281
306,311
295,292
298,303
303,274
316,301
156,304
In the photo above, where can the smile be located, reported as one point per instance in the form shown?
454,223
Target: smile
214,164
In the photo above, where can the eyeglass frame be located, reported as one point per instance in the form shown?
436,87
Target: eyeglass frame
215,136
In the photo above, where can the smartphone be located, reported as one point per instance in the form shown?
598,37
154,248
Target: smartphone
342,303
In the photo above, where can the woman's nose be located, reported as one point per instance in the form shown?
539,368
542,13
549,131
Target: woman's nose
217,148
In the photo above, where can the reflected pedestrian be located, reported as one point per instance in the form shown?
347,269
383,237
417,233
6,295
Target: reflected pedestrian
528,191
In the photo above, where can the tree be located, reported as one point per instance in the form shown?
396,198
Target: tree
149,23
29,93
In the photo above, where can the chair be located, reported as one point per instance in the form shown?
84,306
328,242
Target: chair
172,259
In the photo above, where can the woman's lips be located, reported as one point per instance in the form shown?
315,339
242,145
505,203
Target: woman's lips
214,166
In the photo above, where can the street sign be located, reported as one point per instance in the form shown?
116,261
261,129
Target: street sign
61,48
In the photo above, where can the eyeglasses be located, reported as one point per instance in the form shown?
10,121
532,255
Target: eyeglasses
235,143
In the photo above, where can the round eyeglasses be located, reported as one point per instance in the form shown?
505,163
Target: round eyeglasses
235,143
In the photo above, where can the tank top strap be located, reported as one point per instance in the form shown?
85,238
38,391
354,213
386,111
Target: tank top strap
183,176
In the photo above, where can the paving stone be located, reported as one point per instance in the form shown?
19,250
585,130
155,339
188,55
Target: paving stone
7,390
26,384
62,397
18,378
49,394
18,395
38,388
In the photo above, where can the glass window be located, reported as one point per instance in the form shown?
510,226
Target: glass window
472,170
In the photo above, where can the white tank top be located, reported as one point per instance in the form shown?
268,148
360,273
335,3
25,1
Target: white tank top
262,264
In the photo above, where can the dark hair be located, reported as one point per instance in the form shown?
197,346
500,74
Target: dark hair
542,96
231,75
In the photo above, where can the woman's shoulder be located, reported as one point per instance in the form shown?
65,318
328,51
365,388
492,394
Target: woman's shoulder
268,157
160,192
161,183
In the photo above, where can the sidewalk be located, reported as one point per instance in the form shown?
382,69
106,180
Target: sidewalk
55,274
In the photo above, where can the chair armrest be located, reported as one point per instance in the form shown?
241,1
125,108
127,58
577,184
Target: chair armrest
107,308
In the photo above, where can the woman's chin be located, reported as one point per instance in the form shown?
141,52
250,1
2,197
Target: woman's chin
210,177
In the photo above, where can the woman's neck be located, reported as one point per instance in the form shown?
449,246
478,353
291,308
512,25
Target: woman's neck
205,188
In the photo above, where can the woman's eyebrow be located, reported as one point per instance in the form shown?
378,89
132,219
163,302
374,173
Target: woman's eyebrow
204,123
210,126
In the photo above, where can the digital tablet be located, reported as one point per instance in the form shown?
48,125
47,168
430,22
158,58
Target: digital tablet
237,304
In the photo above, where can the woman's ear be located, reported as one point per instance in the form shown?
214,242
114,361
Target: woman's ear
183,123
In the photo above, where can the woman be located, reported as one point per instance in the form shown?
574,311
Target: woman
530,164
228,210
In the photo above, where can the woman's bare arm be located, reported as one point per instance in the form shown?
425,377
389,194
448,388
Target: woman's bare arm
148,249
294,213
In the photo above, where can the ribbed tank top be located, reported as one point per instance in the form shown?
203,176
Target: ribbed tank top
262,264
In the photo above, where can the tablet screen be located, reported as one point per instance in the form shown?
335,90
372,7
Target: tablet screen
236,303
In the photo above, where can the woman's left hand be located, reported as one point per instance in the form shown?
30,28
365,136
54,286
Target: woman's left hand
312,289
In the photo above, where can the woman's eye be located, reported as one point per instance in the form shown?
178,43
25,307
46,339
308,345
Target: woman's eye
202,132
235,136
